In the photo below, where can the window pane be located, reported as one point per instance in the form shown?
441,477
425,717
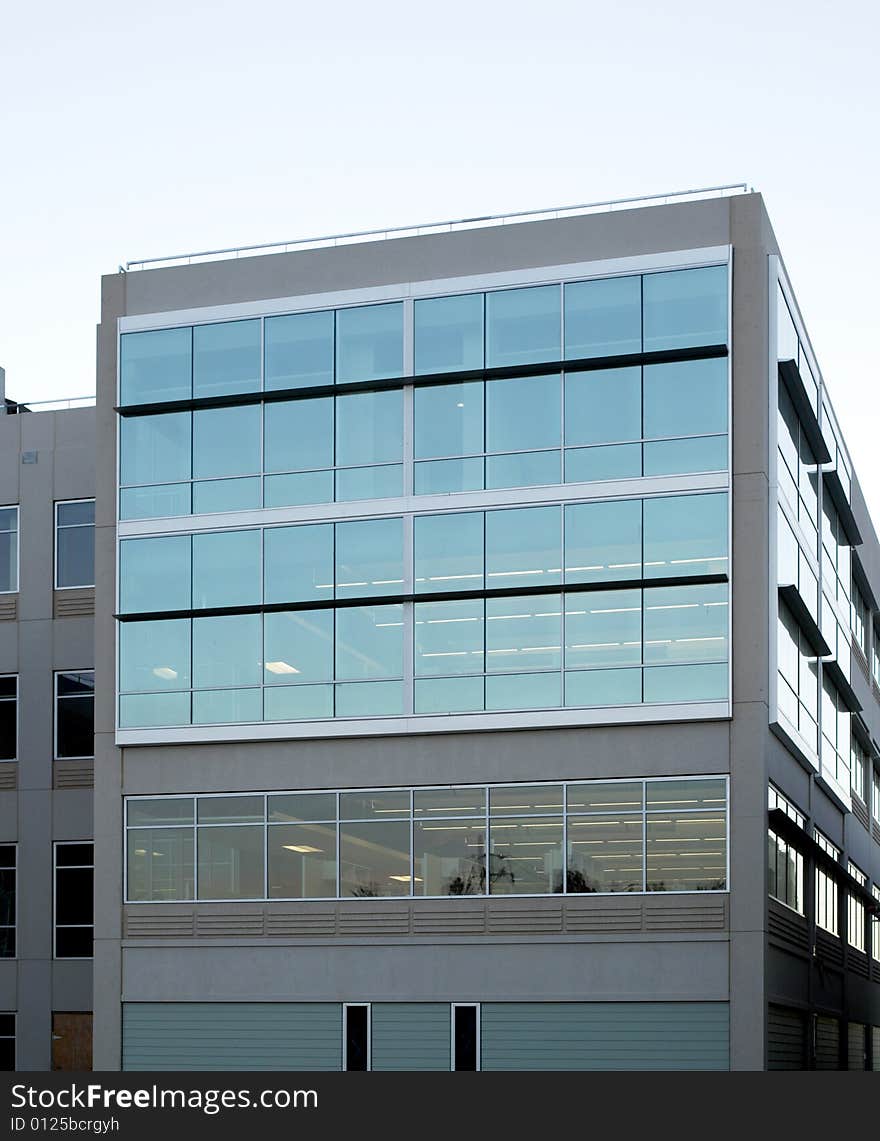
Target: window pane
155,449
75,727
523,326
449,802
449,638
440,477
171,810
298,703
450,857
526,469
685,535
369,642
603,541
686,624
8,561
302,861
603,687
231,863
155,365
227,706
226,569
374,804
74,895
449,695
154,710
448,333
687,398
603,406
230,809
76,513
671,457
154,574
374,858
227,651
155,502
160,864
523,634
664,795
686,683
76,556
226,358
369,699
603,318
299,647
686,307
448,552
523,547
226,441
523,413
603,628
515,799
292,490
384,482
369,557
449,420
623,461
369,428
605,796
299,563
687,852
299,435
211,496
369,342
605,853
299,350
525,856
302,807
523,691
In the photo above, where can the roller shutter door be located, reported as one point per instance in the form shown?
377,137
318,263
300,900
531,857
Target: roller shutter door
411,1036
605,1036
855,1046
231,1036
875,1047
827,1043
786,1039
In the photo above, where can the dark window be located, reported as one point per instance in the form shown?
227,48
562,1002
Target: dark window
75,543
8,718
357,1037
7,904
7,1042
74,901
75,715
465,1036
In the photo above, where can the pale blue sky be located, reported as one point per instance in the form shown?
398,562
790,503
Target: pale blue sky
136,130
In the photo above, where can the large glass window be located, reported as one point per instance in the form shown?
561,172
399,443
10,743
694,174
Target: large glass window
8,909
226,568
826,902
226,358
685,535
74,714
299,350
603,318
369,558
603,541
369,342
8,550
155,574
786,871
369,433
448,333
523,420
155,451
75,543
298,563
685,308
155,366
74,900
523,326
449,552
8,717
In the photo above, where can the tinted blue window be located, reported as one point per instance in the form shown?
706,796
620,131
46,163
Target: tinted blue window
154,574
226,358
155,366
303,487
211,496
369,557
603,687
523,547
687,398
369,428
524,633
226,569
155,449
603,407
603,541
155,502
523,691
701,453
227,707
226,441
449,420
449,695
298,647
523,413
685,535
603,628
603,318
448,333
685,308
448,552
298,702
616,461
154,656
686,683
369,642
369,342
449,637
523,469
299,350
371,699
686,624
153,710
298,563
523,326
384,482
437,477
227,651
299,435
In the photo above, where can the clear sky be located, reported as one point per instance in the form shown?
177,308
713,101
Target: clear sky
129,131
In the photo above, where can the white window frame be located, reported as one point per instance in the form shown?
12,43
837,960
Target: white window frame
17,509
468,1006
66,527
10,700
855,912
369,1009
56,675
69,958
14,1035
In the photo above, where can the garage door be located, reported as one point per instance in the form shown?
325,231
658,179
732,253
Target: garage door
786,1038
827,1043
411,1036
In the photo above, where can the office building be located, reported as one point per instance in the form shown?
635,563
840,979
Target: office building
479,611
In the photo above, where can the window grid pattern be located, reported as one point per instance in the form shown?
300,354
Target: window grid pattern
74,543
7,901
584,837
775,799
861,624
860,768
74,900
875,926
8,550
786,872
855,912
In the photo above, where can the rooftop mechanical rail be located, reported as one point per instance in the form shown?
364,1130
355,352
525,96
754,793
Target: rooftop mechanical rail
436,227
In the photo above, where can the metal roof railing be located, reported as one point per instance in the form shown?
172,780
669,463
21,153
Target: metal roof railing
446,227
17,407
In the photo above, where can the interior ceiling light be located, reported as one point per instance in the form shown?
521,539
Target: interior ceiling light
281,668
165,672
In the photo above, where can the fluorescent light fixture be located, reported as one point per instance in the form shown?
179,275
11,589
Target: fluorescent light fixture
281,668
303,849
405,879
165,672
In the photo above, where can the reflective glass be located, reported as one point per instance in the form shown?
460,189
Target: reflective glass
155,366
439,477
525,469
369,642
156,502
523,691
369,699
153,710
155,449
448,552
605,853
299,435
603,541
603,318
302,861
293,490
449,802
525,856
786,334
374,858
161,864
670,457
523,326
449,420
516,799
523,547
686,623
448,333
298,647
298,703
226,358
8,561
603,687
685,307
369,428
369,342
621,461
385,482
155,574
603,628
298,563
604,406
687,398
74,552
374,804
214,495
173,810
449,857
226,441
686,683
226,569
369,557
227,651
227,706
523,413
687,852
449,638
449,695
605,796
299,350
685,535
246,809
523,633
663,795
230,862
302,807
